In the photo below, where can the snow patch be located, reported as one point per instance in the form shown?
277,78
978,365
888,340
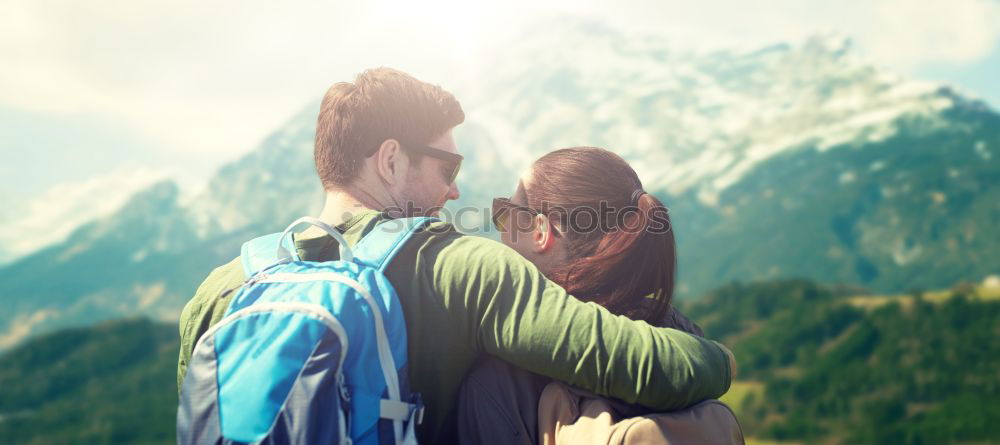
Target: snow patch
847,177
23,326
902,254
982,151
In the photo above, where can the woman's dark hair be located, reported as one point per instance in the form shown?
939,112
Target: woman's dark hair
625,262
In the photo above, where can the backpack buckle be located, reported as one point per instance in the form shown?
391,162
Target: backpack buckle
418,408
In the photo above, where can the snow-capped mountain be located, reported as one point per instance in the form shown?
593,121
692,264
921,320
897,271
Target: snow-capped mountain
797,159
708,118
274,183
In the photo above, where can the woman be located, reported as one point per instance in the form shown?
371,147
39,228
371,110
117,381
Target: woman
580,215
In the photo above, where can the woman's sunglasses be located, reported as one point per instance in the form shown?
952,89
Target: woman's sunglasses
502,208
454,160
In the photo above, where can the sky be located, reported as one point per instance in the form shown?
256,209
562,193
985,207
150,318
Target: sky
98,98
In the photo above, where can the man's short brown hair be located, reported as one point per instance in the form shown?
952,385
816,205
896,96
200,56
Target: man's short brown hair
382,103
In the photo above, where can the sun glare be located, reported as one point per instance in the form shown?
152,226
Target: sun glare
460,24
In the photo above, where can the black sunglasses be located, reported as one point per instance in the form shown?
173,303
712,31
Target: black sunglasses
454,159
501,213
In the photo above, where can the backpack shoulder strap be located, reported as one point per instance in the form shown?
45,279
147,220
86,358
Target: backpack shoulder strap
385,240
263,252
259,253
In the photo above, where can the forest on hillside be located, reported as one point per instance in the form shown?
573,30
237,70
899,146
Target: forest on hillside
824,364
818,364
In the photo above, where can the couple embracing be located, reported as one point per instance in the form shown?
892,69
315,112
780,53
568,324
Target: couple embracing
574,303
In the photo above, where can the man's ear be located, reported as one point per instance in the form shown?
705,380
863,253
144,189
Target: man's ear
543,236
389,161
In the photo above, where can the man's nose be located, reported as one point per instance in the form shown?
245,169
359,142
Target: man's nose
453,192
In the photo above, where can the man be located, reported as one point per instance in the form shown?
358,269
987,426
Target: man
384,149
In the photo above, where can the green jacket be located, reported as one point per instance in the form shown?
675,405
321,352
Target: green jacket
464,295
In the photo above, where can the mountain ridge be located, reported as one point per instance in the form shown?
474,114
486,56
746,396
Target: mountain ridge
904,202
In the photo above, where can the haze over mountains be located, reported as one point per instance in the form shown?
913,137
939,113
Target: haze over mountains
795,160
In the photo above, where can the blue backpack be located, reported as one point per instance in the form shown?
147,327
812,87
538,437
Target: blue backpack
308,352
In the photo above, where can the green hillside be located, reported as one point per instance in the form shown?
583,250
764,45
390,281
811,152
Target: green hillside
825,365
817,365
111,383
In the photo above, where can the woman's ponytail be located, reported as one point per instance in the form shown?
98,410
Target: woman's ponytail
626,262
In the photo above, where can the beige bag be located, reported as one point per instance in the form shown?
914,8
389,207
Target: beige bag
569,416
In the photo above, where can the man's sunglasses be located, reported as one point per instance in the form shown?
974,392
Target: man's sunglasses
454,160
502,208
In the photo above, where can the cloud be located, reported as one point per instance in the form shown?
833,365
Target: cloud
900,33
64,207
918,33
208,80
204,78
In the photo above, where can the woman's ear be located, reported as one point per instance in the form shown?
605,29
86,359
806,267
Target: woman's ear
389,161
543,235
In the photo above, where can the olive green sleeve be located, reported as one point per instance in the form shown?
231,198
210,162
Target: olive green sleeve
205,309
518,315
